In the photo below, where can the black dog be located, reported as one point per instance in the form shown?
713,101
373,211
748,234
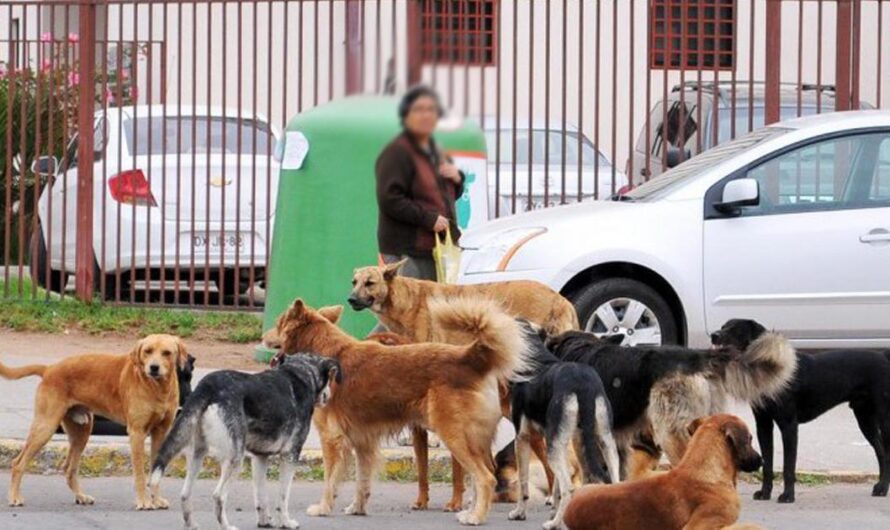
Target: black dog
635,376
562,400
232,413
822,381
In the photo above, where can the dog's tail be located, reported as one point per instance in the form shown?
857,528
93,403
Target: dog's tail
597,441
496,340
183,431
8,372
762,371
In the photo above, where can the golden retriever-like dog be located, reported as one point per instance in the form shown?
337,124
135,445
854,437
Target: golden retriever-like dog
139,389
451,390
401,305
699,493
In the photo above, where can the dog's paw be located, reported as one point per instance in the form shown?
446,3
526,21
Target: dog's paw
263,519
549,501
318,510
551,525
453,506
191,527
160,503
420,505
284,521
468,518
516,514
84,499
16,501
786,498
353,509
761,495
143,504
880,490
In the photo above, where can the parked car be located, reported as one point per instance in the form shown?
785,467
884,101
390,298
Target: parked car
172,187
788,225
544,160
741,107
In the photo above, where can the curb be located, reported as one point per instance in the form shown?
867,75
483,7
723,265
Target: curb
113,460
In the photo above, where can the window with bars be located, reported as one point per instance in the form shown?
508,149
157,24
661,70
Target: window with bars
459,31
692,34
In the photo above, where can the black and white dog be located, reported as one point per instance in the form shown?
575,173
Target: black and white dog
661,390
822,381
567,403
232,413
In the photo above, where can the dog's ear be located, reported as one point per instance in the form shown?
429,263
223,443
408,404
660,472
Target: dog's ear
330,369
136,352
615,339
296,310
182,359
696,423
331,313
392,270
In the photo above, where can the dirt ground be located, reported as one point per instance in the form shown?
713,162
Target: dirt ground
208,354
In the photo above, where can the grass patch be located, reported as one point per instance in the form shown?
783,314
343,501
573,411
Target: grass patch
30,309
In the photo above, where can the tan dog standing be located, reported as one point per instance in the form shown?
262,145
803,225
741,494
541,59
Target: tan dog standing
139,389
699,493
401,304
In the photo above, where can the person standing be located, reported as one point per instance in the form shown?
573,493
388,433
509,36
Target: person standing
417,187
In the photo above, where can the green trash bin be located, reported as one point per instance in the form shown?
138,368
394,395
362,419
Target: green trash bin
326,217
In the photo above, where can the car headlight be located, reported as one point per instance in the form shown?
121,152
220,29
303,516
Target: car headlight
494,255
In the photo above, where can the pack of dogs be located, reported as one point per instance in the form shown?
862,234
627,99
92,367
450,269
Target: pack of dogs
593,419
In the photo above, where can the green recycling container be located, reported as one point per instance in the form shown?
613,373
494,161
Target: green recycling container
326,215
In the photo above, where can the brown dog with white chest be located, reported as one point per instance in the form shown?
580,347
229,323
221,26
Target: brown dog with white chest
699,493
139,389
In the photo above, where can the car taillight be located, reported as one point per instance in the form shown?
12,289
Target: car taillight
131,187
625,189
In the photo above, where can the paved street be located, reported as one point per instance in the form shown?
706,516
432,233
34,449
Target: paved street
49,506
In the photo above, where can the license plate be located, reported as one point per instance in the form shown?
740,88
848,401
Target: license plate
226,242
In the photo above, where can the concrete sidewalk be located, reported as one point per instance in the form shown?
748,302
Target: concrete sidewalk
832,443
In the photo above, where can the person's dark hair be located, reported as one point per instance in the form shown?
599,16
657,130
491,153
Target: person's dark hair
413,94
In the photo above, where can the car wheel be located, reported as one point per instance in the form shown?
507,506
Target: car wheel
55,280
624,306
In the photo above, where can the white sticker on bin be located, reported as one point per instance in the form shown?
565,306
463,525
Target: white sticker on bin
296,146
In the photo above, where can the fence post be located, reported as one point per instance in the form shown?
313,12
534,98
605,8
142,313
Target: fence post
415,59
773,59
353,47
83,272
844,55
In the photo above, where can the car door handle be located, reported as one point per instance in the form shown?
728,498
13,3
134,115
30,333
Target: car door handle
876,235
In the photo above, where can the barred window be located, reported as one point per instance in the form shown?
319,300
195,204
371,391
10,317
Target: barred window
459,31
692,34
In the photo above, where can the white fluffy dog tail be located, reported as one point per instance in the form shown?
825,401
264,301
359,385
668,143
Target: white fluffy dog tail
763,370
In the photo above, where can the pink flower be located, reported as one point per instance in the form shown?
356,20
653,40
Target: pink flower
125,74
73,37
134,93
73,78
47,65
46,37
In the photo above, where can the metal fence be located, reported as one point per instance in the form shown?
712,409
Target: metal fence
137,139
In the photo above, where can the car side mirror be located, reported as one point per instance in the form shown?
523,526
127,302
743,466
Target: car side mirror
676,156
45,166
739,193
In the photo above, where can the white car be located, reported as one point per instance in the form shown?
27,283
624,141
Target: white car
169,192
789,225
552,154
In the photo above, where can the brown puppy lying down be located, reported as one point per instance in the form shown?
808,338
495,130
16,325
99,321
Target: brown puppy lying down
139,389
699,493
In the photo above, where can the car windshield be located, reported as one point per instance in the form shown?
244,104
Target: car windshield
659,186
171,135
727,128
546,147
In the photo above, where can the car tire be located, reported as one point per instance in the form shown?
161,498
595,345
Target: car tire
56,280
624,290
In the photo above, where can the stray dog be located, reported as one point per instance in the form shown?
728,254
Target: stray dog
232,413
401,305
660,390
822,381
698,493
451,390
567,402
139,390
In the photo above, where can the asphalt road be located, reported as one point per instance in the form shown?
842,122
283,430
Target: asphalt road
49,506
